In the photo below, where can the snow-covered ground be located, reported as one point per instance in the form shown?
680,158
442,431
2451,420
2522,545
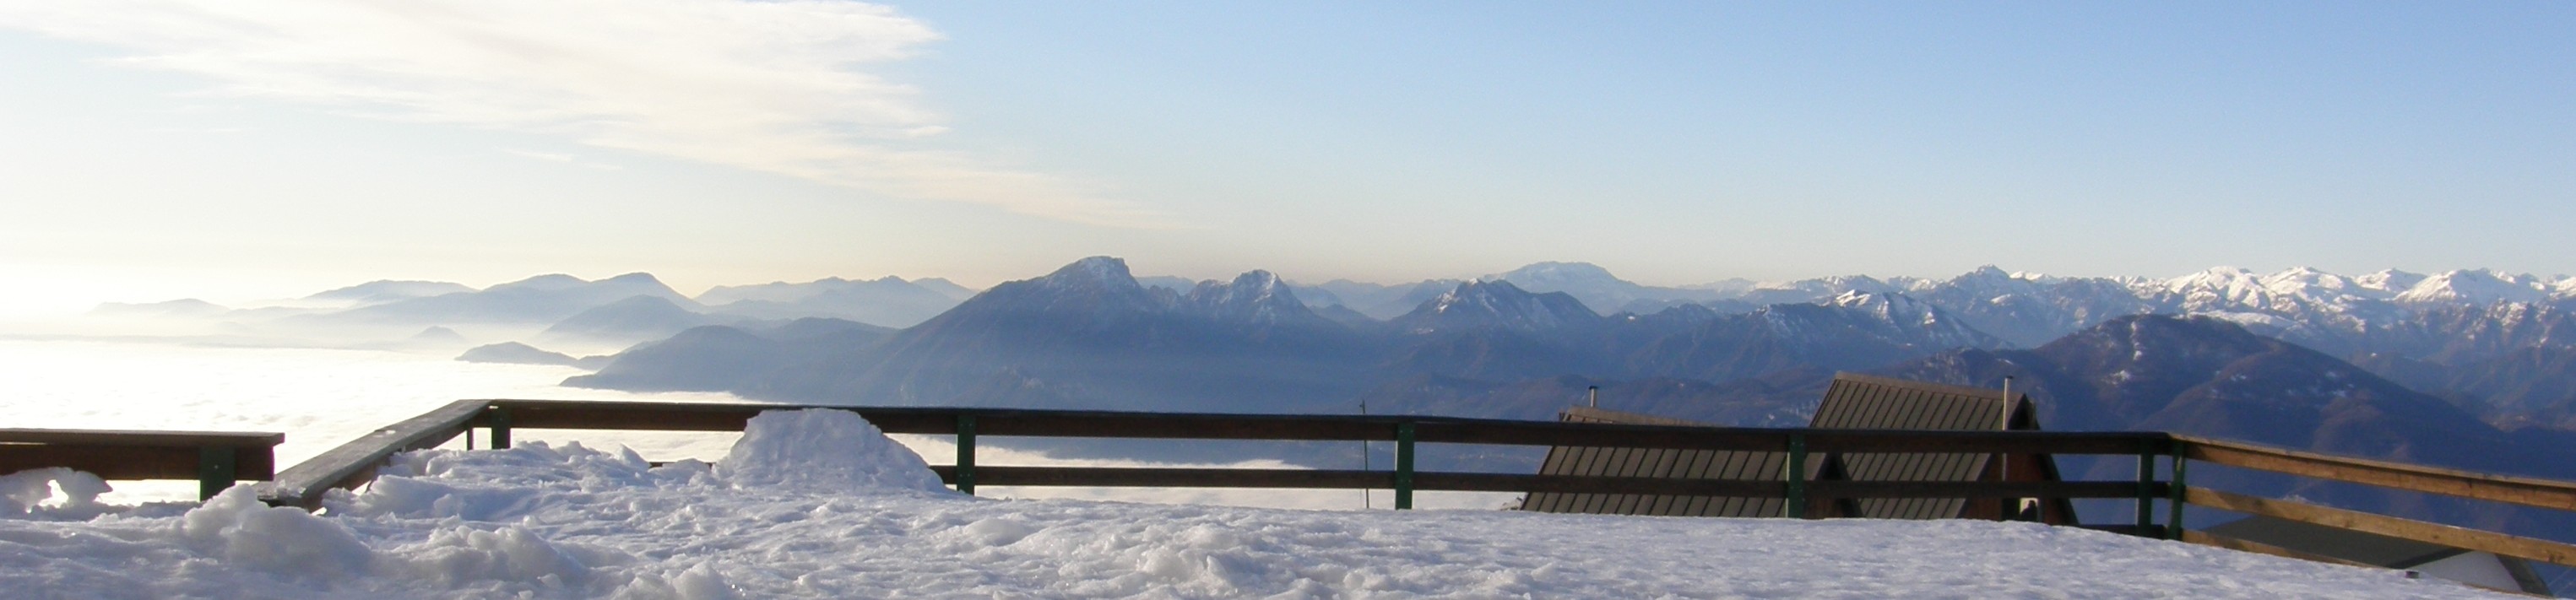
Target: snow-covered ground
817,504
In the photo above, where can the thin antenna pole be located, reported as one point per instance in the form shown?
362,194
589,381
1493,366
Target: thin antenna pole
1592,396
1365,503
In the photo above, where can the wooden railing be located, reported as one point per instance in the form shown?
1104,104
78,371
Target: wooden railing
2525,491
216,459
354,463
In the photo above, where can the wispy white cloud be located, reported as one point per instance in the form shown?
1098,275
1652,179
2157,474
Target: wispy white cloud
775,86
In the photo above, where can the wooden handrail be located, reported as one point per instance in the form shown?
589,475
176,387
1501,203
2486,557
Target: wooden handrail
1499,482
2527,491
172,439
355,462
649,416
215,459
2431,533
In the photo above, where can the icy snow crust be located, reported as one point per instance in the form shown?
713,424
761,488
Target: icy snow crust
818,504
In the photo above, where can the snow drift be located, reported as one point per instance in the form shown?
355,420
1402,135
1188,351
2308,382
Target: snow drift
819,504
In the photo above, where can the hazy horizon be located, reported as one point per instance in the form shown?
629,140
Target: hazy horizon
57,306
157,150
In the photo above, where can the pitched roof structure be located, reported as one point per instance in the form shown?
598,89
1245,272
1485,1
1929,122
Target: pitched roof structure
1853,401
1662,463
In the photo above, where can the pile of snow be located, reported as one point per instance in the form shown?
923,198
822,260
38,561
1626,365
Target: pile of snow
818,504
827,449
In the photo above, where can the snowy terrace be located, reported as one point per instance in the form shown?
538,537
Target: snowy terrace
820,503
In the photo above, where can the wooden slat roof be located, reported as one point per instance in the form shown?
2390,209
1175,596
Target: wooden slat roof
1866,402
1853,401
1645,462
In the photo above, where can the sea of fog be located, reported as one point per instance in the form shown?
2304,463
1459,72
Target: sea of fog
321,398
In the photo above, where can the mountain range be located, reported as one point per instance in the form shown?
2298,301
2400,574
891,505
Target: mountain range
2468,369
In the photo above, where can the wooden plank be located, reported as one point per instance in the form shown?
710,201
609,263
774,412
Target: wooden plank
1983,442
355,462
2230,543
2430,533
1170,477
107,461
2525,491
558,414
1499,482
138,455
126,437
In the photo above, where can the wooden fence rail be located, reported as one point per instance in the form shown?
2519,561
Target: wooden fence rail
354,463
216,459
2525,491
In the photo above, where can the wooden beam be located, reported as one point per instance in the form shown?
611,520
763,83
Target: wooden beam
121,437
122,454
2430,533
1500,482
2525,491
355,462
558,414
107,461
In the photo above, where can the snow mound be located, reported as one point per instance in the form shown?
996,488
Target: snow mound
236,526
823,448
31,493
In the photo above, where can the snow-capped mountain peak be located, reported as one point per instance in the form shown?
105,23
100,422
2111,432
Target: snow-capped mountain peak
2475,286
1497,303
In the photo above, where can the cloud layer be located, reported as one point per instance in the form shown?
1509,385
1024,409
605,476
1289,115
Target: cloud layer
778,87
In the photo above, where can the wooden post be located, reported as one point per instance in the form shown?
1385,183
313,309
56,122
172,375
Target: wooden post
1404,466
2173,522
500,423
1796,474
217,468
2146,492
966,454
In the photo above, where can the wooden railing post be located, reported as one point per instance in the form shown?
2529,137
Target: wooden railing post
499,420
2146,492
966,454
1404,466
217,468
2173,521
1796,474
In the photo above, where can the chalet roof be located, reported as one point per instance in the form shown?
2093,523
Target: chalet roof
1853,401
1857,401
1651,462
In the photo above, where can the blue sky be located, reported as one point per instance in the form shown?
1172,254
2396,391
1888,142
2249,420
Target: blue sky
153,149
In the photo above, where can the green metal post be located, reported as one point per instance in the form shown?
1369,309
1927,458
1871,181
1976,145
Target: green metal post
1796,476
966,454
500,421
216,470
2146,492
1404,466
2173,522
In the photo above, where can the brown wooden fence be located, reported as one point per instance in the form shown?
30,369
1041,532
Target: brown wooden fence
354,463
2525,491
